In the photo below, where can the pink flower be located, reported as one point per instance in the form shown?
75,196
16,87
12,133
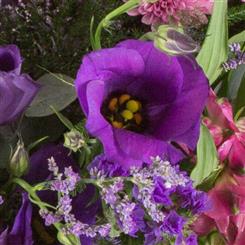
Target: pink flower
173,11
229,136
227,212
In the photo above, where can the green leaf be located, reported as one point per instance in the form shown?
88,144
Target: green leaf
63,119
240,101
207,160
234,82
37,142
238,38
214,50
68,239
56,90
209,182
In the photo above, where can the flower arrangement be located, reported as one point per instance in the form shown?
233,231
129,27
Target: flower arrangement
131,136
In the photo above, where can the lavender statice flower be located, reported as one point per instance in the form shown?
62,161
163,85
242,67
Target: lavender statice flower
162,203
237,57
67,184
110,193
49,217
64,183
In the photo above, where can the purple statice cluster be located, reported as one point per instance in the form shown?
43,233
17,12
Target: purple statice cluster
163,202
64,184
237,57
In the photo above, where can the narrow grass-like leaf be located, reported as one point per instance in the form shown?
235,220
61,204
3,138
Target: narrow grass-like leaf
215,47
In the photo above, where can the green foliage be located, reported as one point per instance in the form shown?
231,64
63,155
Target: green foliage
239,74
235,86
207,160
238,38
56,90
236,14
59,46
215,47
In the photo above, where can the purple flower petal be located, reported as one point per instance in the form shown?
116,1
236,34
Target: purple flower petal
10,59
21,232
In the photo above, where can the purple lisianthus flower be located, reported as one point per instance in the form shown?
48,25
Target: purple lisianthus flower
16,90
137,100
83,208
21,232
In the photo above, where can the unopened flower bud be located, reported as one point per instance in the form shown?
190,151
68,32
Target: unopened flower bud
74,140
174,42
19,161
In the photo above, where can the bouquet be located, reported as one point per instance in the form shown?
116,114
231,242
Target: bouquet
122,122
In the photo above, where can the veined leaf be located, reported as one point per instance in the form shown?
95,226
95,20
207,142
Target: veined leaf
56,90
214,50
207,160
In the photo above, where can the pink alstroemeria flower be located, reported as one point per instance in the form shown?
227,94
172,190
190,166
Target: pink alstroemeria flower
229,136
227,212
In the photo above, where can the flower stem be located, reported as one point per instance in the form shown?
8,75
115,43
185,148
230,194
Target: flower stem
104,23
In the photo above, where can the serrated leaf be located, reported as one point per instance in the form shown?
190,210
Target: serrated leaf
207,160
214,50
57,90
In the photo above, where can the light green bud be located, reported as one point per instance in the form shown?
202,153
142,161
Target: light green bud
19,162
74,140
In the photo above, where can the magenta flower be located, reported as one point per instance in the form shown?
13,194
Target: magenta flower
138,100
229,136
227,212
16,90
173,11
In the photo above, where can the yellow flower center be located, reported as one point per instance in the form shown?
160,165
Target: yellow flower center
124,111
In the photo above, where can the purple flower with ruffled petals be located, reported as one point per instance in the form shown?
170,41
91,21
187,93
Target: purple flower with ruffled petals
173,223
16,90
138,99
21,232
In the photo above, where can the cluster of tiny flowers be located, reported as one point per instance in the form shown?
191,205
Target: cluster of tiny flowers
125,210
145,181
153,189
123,207
238,57
64,183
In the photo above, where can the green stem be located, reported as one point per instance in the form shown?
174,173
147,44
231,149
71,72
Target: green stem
118,11
32,194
